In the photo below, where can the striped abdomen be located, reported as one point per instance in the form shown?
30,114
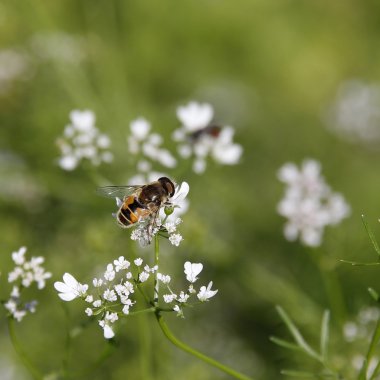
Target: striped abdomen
131,211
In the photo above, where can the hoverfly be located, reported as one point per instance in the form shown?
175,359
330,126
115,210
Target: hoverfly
140,203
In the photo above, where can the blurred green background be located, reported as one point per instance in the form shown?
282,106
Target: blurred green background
269,68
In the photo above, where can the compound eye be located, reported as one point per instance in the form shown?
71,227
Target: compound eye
168,185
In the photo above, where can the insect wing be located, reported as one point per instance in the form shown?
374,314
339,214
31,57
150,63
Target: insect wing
116,191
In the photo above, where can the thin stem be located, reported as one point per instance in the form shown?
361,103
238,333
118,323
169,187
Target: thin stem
36,374
165,329
156,255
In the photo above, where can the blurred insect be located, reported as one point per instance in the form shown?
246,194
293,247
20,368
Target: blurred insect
140,203
211,130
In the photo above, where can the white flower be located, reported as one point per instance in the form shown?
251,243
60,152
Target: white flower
97,282
107,330
110,295
88,311
19,256
165,279
178,310
192,270
140,128
138,261
89,299
19,315
354,114
224,150
97,303
309,204
121,264
183,297
169,298
143,276
111,317
82,140
70,288
195,115
179,203
109,274
206,293
175,239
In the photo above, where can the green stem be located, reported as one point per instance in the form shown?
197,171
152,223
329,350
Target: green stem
36,374
156,255
165,329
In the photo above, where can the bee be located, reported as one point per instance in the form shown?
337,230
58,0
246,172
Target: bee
140,203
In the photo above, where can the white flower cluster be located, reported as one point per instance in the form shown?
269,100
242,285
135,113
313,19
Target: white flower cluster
356,334
14,65
82,140
111,296
199,137
59,46
147,146
181,299
355,113
23,276
309,204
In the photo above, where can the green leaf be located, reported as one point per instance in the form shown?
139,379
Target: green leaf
374,294
297,335
284,343
325,334
374,341
357,264
371,236
294,373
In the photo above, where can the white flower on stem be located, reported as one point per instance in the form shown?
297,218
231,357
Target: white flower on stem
165,279
206,293
19,256
70,288
195,116
89,312
175,239
309,204
89,299
121,264
224,150
138,262
199,137
81,140
107,330
110,295
179,311
143,276
109,274
97,282
179,206
169,298
183,297
192,270
97,303
354,114
140,128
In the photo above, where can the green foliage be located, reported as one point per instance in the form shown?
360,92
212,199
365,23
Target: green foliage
270,69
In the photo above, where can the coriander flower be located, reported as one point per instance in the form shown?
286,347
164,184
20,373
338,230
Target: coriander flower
70,288
199,137
192,271
309,204
355,112
81,140
25,273
206,293
148,146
